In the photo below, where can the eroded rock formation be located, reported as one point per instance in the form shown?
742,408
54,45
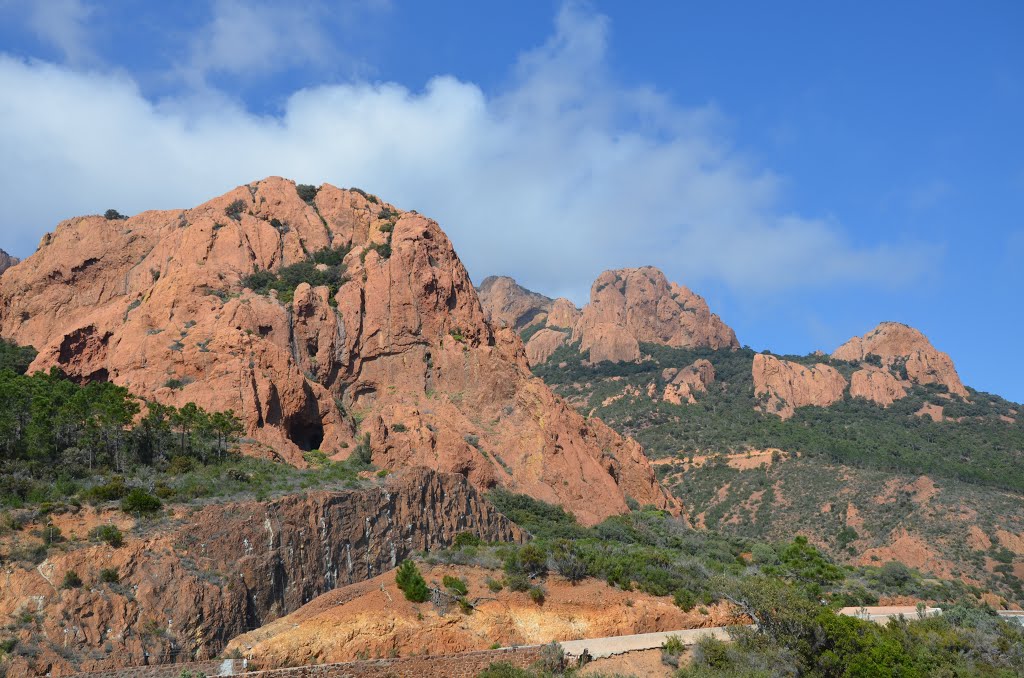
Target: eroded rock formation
632,306
877,385
906,351
684,383
784,386
508,304
543,343
402,352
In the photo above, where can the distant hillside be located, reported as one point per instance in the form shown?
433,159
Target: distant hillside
852,456
844,438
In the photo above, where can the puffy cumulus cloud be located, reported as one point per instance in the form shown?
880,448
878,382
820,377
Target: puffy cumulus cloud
564,173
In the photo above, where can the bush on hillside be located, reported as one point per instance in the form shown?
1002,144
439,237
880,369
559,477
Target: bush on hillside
411,582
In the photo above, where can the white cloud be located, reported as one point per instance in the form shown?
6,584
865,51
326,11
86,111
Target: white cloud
563,174
255,39
62,24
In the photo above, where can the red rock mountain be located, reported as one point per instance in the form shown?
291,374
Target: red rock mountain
403,352
509,304
890,359
634,305
6,261
627,307
909,351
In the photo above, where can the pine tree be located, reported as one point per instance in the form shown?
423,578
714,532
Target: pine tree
411,582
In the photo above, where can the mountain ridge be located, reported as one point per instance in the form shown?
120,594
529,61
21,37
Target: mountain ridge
326,319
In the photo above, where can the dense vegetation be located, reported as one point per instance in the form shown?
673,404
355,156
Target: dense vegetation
64,442
796,636
54,433
15,358
286,279
981,448
653,552
789,589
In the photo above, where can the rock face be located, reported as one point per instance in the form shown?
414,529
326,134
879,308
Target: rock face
508,304
908,352
542,344
876,385
232,567
630,306
684,383
402,352
563,314
784,386
6,261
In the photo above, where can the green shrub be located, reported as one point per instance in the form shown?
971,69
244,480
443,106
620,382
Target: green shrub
463,539
110,575
494,585
537,594
306,192
894,575
71,580
140,501
110,491
411,582
109,534
235,209
113,215
288,278
530,560
673,645
684,600
455,585
568,564
180,465
504,670
517,582
52,535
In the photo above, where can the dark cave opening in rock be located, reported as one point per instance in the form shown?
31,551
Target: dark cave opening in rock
308,435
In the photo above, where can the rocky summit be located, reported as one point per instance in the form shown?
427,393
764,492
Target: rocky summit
627,307
6,261
321,319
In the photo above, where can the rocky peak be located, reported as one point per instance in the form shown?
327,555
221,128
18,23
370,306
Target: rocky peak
508,304
906,351
6,261
400,350
632,306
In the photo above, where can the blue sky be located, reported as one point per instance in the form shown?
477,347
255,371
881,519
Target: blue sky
811,168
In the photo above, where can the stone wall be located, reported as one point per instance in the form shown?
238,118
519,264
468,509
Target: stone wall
465,665
214,667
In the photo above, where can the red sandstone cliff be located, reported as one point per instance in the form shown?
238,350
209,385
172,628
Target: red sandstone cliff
909,352
403,352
